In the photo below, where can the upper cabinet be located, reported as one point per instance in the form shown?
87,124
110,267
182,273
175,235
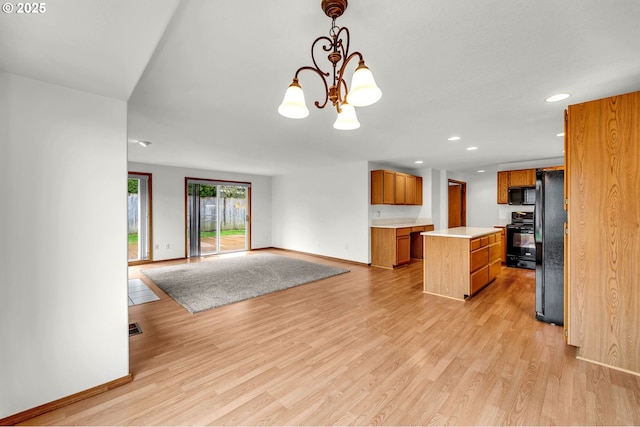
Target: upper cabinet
503,187
395,188
522,178
515,178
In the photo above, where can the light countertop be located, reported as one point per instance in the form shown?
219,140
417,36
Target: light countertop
462,232
402,224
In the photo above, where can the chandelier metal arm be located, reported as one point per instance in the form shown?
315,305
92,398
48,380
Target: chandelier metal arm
341,82
345,49
323,76
327,48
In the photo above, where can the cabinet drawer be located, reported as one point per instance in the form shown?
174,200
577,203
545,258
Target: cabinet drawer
492,238
479,279
419,229
479,259
495,251
475,244
484,241
403,231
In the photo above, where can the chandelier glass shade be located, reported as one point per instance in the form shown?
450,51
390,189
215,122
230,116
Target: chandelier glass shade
363,92
293,105
346,119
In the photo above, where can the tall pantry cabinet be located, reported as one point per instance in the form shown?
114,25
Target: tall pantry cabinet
602,287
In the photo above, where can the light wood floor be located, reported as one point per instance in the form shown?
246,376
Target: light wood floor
363,348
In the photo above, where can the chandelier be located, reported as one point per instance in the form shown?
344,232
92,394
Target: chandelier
364,90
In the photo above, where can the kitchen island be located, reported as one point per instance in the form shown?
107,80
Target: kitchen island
460,261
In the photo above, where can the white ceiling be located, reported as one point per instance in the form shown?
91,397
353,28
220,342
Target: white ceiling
212,74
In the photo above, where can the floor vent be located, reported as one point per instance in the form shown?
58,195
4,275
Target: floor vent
134,329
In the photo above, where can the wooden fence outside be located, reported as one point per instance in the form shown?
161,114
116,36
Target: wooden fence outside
232,214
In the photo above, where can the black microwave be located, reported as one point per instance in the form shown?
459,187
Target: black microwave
522,196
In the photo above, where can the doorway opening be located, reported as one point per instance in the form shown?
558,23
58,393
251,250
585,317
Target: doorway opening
457,204
217,216
139,218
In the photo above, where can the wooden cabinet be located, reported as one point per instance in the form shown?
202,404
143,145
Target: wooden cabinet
392,247
383,187
395,188
522,178
602,173
458,267
403,249
410,190
514,178
503,187
401,189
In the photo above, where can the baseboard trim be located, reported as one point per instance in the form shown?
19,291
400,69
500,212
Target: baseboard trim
317,255
606,365
60,403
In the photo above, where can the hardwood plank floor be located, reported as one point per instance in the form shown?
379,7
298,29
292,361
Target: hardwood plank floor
363,348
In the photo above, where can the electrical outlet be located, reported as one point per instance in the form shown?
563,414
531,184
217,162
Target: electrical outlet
157,247
166,246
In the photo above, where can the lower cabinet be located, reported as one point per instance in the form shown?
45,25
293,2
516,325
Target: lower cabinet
403,250
488,260
392,247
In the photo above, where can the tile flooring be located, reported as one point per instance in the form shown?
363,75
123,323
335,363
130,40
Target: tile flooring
139,293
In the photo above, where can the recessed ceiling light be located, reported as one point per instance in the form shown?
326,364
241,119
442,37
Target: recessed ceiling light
481,171
560,134
471,148
418,162
557,97
453,138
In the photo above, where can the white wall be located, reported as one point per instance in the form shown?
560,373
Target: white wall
323,211
168,206
63,264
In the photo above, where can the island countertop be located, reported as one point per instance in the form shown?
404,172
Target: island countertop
461,232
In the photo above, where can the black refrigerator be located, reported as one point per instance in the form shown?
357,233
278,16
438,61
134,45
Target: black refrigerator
549,219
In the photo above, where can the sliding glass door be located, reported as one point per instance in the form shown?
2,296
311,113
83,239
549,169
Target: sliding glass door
217,217
139,217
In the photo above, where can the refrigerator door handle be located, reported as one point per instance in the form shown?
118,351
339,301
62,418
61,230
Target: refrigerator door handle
538,219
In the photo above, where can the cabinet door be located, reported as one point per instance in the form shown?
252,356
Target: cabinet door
503,187
401,182
403,250
418,190
503,244
377,188
494,269
522,178
388,185
410,187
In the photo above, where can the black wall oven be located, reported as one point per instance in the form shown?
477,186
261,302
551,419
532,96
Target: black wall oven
521,244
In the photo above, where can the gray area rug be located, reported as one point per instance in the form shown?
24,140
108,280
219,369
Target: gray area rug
204,285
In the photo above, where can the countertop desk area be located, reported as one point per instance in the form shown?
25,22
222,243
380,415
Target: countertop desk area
395,243
460,261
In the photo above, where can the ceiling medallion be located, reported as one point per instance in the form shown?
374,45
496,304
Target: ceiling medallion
364,90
